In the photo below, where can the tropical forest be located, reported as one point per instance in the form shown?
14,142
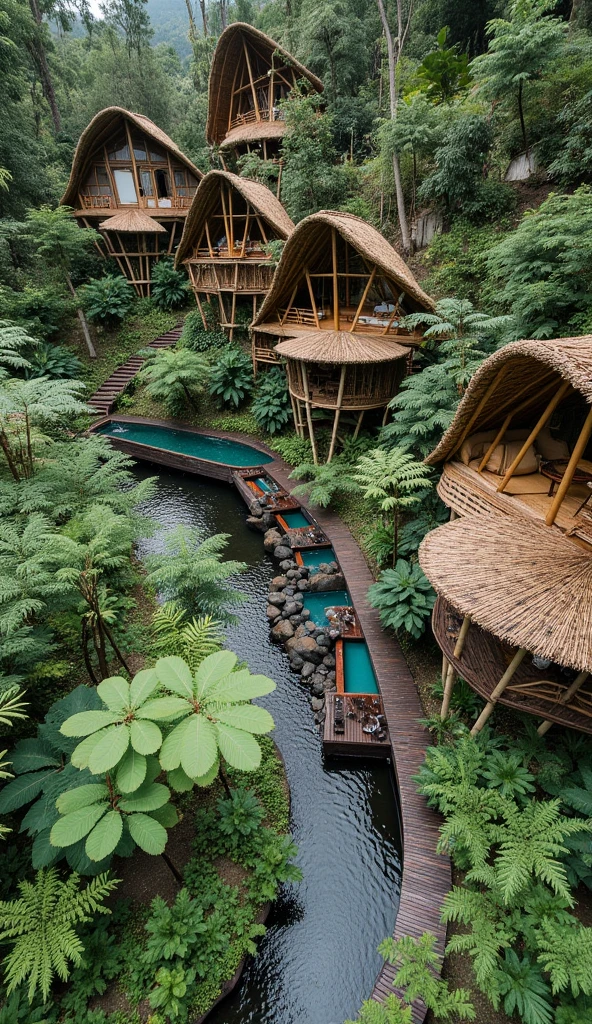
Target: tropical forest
295,511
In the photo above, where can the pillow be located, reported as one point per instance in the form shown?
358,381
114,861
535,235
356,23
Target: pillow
476,445
549,447
502,457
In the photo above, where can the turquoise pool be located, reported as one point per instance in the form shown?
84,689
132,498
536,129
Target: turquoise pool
201,446
316,604
265,485
314,557
295,520
357,668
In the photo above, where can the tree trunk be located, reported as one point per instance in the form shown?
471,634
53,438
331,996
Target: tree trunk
118,653
86,655
393,60
192,25
188,394
204,17
521,115
5,445
37,51
91,348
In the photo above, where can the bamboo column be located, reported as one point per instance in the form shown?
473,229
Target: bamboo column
363,299
335,279
462,636
359,424
534,433
313,442
576,455
448,687
253,89
498,690
565,699
337,412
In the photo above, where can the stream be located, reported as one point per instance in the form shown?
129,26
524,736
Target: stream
318,960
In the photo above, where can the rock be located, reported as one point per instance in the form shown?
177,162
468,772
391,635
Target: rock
321,581
308,670
277,599
291,609
329,660
278,583
269,520
282,632
334,566
302,585
280,552
317,689
305,613
331,675
296,662
305,646
311,627
320,717
271,540
323,669
272,612
286,564
289,591
255,523
323,640
325,568
293,574
296,620
317,703
329,684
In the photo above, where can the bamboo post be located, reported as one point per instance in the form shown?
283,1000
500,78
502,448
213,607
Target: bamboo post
335,279
253,89
576,455
133,159
293,404
534,433
498,690
462,636
312,299
230,221
448,688
495,442
337,412
363,299
564,699
210,247
445,664
313,442
290,304
227,227
359,423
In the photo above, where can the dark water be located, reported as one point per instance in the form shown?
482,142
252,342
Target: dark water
318,959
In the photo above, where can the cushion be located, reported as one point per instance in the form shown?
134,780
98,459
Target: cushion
476,445
549,447
503,455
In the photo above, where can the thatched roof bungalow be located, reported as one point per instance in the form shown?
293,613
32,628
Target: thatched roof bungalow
250,76
334,314
130,181
230,223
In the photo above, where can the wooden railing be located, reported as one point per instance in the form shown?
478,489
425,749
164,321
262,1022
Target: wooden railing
250,117
98,202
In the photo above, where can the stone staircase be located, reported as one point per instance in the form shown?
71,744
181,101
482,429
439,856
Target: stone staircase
104,399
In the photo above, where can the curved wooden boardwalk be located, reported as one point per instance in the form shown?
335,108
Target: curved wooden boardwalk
426,877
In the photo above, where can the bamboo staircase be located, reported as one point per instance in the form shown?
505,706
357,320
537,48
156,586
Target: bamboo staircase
104,399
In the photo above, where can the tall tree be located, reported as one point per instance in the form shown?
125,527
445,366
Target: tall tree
131,18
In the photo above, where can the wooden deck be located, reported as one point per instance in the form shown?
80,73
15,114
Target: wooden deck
105,397
353,742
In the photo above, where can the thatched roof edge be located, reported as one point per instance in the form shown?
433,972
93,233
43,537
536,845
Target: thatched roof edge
339,347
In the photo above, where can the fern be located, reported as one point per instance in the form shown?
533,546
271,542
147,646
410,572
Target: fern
491,930
566,955
390,1012
41,925
523,990
418,967
194,640
325,483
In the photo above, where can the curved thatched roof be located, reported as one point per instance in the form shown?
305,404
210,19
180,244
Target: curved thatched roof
255,132
307,237
340,347
527,366
207,195
100,129
228,51
132,220
524,582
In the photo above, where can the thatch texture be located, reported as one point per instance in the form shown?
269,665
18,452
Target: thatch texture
228,52
340,347
207,197
523,582
132,221
99,131
527,367
314,232
255,132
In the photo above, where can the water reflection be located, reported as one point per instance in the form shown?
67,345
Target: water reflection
318,959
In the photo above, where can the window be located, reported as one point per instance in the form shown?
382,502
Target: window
185,182
146,179
163,188
119,150
157,155
97,182
139,149
126,188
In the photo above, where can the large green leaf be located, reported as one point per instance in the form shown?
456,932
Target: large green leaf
110,749
131,771
145,737
105,836
239,748
170,752
240,686
87,722
199,749
31,755
43,854
75,826
146,798
115,693
179,780
163,707
247,716
24,789
83,796
166,815
175,675
206,780
212,669
149,834
81,754
143,684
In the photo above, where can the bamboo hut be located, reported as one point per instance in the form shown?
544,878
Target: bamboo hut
334,315
230,223
132,183
514,573
514,616
250,76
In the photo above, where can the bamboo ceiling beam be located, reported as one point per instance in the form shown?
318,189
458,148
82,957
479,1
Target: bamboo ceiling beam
291,302
362,300
480,406
495,442
253,89
534,433
110,174
575,457
209,239
498,690
245,232
225,212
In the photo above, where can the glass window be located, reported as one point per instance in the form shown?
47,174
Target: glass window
102,176
163,188
125,187
119,150
146,179
157,154
139,149
179,177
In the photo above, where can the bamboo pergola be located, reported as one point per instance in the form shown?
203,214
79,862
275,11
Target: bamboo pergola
231,221
130,181
250,76
510,590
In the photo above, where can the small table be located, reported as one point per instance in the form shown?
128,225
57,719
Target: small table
555,471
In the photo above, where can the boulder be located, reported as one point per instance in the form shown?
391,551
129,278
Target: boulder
305,613
291,609
305,646
277,599
282,632
311,627
278,583
317,703
325,568
321,581
329,685
256,523
272,612
293,574
308,670
323,640
317,689
280,552
287,563
302,585
296,662
271,540
329,660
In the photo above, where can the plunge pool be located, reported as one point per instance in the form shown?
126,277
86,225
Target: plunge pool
186,442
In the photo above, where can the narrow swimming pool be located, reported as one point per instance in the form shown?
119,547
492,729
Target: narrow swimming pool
316,604
186,442
294,520
357,668
314,557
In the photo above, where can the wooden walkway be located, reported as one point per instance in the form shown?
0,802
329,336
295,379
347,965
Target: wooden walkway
105,397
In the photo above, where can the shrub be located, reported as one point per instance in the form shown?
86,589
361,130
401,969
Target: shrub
41,311
107,299
54,361
403,597
169,286
271,407
240,816
232,378
175,377
292,448
196,338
